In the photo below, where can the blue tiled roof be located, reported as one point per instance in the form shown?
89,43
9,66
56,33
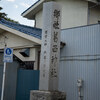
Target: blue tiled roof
31,6
35,32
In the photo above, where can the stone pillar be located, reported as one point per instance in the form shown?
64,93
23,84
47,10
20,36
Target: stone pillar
50,49
50,54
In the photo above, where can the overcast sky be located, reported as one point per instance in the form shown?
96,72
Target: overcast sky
14,8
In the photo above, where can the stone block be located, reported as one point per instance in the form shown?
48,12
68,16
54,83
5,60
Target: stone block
47,95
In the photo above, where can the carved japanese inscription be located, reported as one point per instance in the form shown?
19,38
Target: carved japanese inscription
50,49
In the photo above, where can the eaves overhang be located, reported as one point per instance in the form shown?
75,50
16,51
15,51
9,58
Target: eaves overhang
93,1
18,33
37,6
32,10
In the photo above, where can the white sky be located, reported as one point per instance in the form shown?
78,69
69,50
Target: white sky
14,8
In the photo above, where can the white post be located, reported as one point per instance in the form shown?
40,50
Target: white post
50,49
3,81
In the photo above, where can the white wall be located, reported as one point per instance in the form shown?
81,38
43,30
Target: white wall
38,19
94,15
30,58
74,13
14,40
18,43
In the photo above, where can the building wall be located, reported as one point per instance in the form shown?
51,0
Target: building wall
30,58
14,41
74,13
19,43
38,19
94,15
80,59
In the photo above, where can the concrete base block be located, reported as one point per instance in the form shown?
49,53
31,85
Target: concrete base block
47,95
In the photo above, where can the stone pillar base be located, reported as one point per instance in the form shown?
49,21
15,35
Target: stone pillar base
47,95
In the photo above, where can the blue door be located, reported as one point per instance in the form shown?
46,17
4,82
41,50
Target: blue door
27,80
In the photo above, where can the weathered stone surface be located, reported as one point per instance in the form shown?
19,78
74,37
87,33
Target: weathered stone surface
50,48
47,95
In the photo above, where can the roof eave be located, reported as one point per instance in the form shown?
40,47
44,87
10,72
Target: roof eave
28,37
30,12
93,1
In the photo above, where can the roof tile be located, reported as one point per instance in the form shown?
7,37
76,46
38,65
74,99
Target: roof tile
35,32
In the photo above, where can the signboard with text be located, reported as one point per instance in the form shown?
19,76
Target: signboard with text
8,55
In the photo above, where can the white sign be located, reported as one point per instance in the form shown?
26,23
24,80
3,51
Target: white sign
50,50
8,55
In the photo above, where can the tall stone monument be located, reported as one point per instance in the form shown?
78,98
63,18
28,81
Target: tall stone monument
50,51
